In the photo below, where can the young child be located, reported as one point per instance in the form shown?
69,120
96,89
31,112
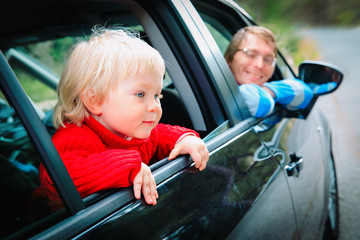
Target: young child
107,117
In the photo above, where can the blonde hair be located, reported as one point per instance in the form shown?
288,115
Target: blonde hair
109,56
262,32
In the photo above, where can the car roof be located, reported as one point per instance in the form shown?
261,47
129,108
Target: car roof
26,21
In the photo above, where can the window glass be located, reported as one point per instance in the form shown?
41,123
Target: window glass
220,39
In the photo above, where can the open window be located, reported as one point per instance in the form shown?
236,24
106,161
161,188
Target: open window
224,26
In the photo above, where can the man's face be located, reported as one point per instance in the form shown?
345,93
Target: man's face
253,62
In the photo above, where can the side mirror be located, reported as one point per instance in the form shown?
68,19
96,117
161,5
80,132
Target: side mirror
323,78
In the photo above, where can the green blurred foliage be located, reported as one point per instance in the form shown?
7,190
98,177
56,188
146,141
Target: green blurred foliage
313,12
51,53
36,90
284,17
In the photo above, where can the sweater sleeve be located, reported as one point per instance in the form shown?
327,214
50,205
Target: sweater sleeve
291,93
168,136
258,101
93,169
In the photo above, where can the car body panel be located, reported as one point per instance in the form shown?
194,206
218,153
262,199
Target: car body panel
212,202
295,138
244,193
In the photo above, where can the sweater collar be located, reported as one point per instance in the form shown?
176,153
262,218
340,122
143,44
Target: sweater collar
110,139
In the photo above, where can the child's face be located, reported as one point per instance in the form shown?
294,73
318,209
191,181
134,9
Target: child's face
134,108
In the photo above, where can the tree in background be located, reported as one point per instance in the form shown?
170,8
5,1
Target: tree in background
314,12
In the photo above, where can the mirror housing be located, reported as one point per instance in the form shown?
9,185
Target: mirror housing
323,78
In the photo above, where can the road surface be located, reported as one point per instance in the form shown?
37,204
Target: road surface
342,47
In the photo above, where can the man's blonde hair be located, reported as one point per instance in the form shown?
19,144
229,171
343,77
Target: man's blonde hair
99,64
266,34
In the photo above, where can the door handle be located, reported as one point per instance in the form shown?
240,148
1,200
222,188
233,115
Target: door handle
295,165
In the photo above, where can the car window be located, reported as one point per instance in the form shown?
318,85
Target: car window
222,27
38,72
222,33
29,65
22,203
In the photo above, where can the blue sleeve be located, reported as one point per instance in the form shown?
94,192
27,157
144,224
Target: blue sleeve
258,100
291,93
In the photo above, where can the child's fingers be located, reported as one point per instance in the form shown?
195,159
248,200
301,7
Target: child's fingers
154,192
193,146
174,153
205,157
146,189
137,187
196,157
200,158
149,189
203,165
144,183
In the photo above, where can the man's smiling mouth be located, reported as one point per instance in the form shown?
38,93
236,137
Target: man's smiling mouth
254,75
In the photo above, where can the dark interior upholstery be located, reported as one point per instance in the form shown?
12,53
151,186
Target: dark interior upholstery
174,111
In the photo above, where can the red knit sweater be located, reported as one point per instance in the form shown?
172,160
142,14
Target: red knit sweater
97,159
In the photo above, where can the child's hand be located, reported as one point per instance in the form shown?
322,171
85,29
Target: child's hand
145,181
195,147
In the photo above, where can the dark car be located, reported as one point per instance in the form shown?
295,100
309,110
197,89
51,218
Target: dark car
264,180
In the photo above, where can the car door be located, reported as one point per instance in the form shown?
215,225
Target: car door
241,194
302,148
236,196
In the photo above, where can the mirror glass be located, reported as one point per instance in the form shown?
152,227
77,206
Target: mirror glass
323,78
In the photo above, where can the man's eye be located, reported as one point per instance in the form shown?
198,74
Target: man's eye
140,94
269,60
251,54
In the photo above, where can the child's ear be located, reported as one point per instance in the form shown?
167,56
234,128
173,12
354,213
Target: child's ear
91,102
